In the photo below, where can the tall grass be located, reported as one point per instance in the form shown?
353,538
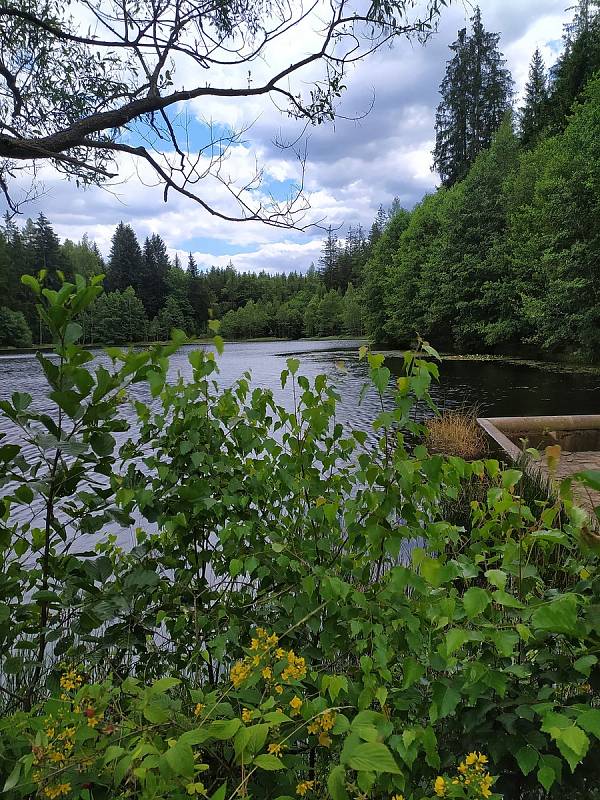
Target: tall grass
456,433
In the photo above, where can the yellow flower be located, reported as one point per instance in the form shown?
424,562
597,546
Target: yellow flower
324,739
314,727
279,688
296,667
481,758
246,714
439,786
239,673
462,768
199,709
471,759
275,749
327,720
254,644
296,704
58,790
267,673
398,797
70,680
255,661
304,787
280,652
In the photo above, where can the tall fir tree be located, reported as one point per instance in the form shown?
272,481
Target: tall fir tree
328,262
125,263
152,287
197,295
476,93
47,251
579,61
534,114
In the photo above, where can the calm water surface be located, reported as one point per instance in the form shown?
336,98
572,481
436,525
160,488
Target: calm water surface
497,389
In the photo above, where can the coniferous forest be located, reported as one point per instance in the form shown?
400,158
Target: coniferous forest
503,257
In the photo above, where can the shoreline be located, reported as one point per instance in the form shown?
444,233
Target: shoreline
23,351
550,365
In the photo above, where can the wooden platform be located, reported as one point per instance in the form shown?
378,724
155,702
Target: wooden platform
572,434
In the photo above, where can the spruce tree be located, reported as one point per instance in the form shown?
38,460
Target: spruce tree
534,114
152,289
47,252
476,93
125,261
328,262
197,296
579,61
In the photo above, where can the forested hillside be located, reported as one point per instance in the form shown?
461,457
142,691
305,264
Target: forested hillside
506,254
503,257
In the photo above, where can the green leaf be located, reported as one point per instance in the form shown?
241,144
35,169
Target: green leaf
13,778
269,762
412,671
505,599
527,759
510,478
558,616
164,684
497,578
73,332
180,758
585,664
546,777
455,639
156,713
223,728
573,745
590,477
293,364
220,793
336,783
475,601
372,757
590,721
156,381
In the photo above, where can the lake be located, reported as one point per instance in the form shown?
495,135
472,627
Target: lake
495,388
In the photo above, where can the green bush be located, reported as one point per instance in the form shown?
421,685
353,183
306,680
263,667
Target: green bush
288,584
14,330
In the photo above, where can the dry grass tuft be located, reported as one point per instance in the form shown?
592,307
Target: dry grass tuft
456,433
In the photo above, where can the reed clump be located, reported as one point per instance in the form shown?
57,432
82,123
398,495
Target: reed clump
456,433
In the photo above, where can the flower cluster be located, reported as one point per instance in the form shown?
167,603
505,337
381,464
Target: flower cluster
471,777
70,680
304,787
266,656
295,669
321,726
58,790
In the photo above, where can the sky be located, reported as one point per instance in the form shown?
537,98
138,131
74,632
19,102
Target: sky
352,166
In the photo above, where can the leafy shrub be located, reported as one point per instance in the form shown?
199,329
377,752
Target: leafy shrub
14,330
393,642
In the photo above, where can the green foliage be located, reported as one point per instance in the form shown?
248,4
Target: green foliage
476,93
14,330
294,615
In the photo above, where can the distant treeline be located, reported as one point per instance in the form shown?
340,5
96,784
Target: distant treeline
148,294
